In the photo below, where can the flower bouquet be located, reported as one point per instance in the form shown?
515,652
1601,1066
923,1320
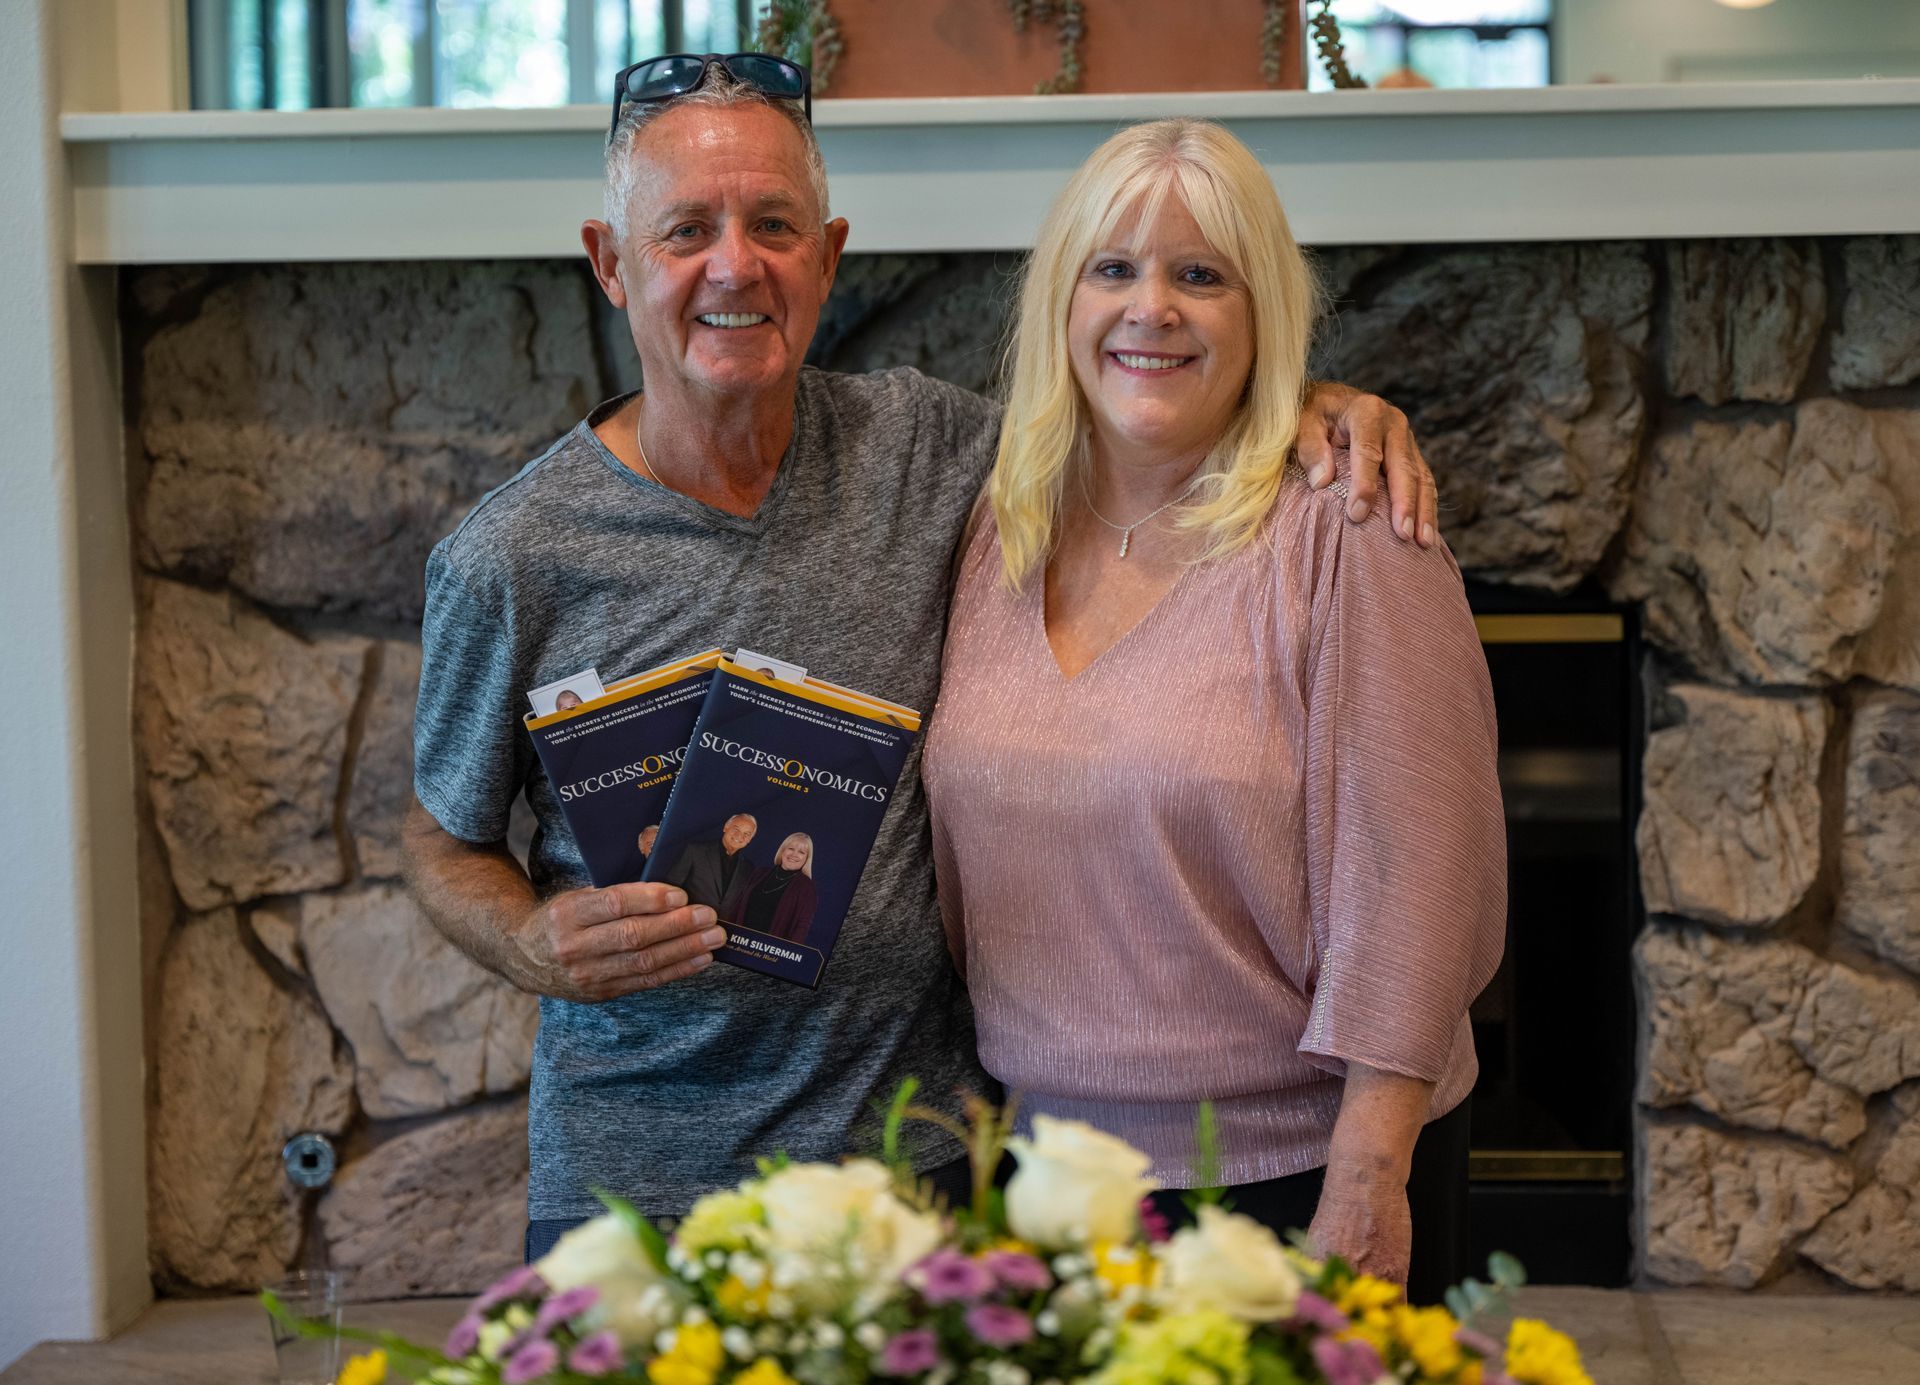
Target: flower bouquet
812,1274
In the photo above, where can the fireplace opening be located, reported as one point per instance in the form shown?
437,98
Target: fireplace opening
1553,1108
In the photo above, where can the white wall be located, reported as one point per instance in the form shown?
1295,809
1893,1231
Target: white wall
72,1161
1703,40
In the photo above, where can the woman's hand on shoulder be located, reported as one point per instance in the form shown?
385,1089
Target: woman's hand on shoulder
1339,422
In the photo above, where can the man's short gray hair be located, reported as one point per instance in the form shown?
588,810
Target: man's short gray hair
720,88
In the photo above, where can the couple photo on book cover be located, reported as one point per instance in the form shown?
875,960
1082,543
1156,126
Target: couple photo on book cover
732,779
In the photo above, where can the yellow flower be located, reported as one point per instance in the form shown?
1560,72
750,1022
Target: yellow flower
1015,1245
1363,1293
1427,1335
370,1369
1374,1328
737,1300
720,1221
1120,1266
1537,1355
765,1371
693,1360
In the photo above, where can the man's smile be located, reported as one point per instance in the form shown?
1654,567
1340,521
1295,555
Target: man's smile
731,320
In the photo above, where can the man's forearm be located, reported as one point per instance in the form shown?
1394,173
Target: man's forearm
1381,1115
477,896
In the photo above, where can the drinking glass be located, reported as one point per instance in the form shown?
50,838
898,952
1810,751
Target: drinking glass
312,1294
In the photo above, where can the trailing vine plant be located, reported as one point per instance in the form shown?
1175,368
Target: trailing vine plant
1273,38
1069,16
1333,53
805,32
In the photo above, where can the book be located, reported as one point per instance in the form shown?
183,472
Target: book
612,761
775,810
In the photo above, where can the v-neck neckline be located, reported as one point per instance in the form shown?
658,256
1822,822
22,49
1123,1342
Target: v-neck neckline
753,524
1147,617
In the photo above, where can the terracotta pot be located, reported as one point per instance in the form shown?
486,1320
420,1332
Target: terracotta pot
970,48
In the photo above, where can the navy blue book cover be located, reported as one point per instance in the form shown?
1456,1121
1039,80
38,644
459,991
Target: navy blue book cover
612,762
775,811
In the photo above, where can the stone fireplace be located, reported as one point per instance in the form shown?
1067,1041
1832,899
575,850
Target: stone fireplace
1722,436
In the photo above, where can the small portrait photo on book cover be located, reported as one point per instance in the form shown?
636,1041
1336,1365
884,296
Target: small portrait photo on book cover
709,867
779,899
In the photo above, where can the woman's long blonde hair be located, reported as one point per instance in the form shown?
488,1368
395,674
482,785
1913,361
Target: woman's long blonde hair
1043,440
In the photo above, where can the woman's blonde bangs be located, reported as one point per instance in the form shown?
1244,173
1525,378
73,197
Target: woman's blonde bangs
1043,438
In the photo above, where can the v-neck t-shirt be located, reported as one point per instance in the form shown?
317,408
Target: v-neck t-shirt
1258,837
846,568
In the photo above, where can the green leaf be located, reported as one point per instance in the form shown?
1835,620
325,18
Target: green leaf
643,1230
1206,1164
896,1117
1456,1301
1268,1367
399,1349
1506,1271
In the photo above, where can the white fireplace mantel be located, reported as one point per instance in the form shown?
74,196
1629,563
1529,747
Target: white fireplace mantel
1561,163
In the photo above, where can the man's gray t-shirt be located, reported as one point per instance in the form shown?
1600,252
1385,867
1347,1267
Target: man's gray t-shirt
845,567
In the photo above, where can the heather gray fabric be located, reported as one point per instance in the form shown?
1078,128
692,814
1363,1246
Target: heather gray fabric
578,561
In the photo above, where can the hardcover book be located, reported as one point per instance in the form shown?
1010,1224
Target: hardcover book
612,761
775,811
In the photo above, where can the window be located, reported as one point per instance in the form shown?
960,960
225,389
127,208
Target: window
1443,43
293,55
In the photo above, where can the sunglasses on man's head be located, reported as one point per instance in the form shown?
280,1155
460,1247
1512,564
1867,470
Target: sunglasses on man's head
676,74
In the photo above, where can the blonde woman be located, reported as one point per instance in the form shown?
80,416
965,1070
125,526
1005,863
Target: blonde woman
1205,828
777,900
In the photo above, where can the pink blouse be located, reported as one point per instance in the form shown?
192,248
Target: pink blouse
1258,837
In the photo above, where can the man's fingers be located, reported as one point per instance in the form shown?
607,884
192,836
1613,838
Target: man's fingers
650,931
1409,482
678,971
1429,500
590,907
1368,419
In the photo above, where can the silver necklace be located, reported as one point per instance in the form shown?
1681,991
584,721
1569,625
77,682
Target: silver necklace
652,475
1126,530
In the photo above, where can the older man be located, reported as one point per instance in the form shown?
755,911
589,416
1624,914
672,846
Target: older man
742,499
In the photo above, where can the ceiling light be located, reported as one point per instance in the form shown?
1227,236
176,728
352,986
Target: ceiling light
1745,4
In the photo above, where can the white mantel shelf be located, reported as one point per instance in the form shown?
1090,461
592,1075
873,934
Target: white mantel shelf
1363,167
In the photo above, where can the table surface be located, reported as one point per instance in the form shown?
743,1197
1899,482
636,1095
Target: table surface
1683,1337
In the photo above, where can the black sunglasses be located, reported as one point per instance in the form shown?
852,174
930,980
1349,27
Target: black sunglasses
676,74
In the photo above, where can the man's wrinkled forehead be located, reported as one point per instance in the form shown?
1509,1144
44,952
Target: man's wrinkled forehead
697,157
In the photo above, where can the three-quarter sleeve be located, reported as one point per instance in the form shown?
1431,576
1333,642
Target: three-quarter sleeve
469,755
1407,839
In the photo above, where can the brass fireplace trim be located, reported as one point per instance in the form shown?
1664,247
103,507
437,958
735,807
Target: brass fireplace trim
1547,1165
1595,627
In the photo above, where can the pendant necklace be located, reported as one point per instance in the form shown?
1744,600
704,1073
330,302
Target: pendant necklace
1126,530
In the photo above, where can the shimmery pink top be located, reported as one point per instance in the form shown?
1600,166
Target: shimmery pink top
1259,836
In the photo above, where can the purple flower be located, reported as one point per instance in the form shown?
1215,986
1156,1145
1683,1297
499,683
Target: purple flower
464,1337
948,1276
910,1352
1153,1222
1313,1311
524,1282
560,1307
530,1362
1478,1343
997,1325
1017,1271
1347,1363
597,1355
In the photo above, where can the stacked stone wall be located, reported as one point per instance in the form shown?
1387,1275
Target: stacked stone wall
1725,433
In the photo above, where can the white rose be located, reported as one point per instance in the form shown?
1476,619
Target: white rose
1075,1185
636,1302
839,1235
1230,1263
